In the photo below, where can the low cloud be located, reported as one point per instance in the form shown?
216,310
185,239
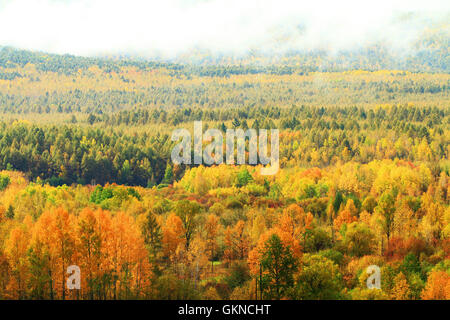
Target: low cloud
168,28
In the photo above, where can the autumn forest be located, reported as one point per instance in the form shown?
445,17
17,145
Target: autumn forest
87,178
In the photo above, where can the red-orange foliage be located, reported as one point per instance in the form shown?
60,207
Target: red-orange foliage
437,287
173,232
286,238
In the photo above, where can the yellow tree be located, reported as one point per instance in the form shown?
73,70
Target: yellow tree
258,228
54,234
432,223
128,257
236,242
401,290
173,234
16,250
211,229
405,223
196,259
89,250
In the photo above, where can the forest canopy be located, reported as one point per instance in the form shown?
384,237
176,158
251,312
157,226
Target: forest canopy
87,177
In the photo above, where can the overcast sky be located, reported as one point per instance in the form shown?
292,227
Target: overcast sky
170,27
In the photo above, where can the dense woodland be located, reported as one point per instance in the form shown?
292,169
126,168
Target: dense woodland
87,178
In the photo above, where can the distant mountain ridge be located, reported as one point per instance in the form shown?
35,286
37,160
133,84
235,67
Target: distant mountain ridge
428,54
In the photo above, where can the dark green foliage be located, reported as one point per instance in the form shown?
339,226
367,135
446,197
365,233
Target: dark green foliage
239,274
333,255
10,212
338,199
152,234
187,211
132,192
411,264
278,265
243,177
4,182
100,194
82,155
168,175
40,276
316,240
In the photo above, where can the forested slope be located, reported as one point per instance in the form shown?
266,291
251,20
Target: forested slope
364,180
